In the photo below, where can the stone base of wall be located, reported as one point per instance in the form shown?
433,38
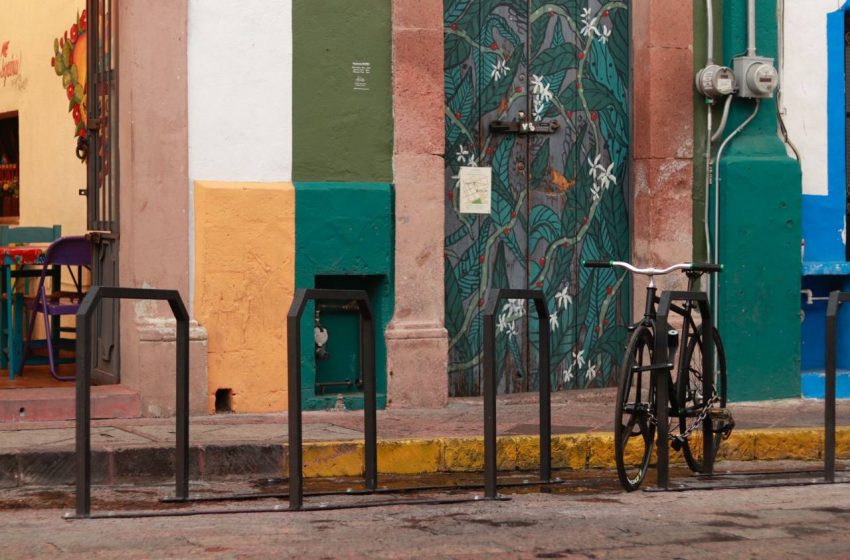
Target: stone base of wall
149,366
415,380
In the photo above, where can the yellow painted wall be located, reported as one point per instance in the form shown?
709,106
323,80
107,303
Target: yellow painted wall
244,282
51,174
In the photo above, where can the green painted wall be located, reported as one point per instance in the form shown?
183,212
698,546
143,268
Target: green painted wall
760,231
344,238
342,119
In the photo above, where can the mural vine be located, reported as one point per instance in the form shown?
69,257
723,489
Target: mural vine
557,198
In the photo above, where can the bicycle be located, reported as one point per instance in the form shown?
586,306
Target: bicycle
634,421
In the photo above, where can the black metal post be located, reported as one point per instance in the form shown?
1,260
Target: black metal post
836,298
489,403
83,413
367,361
370,401
181,478
545,390
293,335
708,386
662,392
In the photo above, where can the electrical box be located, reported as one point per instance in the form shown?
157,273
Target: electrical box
756,76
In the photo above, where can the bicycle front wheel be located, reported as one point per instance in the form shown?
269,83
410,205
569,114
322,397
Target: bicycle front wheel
634,426
694,403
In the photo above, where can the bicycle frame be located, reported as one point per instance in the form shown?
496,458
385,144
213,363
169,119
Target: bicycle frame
650,319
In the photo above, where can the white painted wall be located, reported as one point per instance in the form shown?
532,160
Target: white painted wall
240,90
804,86
240,96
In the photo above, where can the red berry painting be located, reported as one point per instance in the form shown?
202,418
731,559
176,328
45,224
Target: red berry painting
69,62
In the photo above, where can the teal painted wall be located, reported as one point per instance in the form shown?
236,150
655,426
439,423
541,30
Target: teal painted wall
760,231
344,229
342,90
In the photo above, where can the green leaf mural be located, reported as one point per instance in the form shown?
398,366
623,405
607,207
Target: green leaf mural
557,198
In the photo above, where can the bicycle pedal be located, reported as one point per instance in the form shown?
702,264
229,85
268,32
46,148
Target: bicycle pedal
720,414
722,421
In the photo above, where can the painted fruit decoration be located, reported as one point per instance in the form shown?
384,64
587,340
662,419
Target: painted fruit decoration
69,61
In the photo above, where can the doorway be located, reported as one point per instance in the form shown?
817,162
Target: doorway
539,92
10,173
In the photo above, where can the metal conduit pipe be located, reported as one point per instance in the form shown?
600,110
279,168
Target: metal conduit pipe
709,60
722,126
709,8
751,28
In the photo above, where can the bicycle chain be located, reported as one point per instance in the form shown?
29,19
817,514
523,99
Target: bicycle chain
706,409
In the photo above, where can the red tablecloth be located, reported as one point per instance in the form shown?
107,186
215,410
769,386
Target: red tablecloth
23,254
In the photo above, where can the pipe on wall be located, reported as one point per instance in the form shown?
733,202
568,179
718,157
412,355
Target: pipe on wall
751,27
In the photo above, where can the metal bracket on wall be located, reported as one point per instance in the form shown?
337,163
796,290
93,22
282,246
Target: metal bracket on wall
539,127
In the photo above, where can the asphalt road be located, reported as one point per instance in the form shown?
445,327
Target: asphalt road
597,522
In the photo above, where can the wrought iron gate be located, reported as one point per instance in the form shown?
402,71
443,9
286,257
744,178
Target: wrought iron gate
102,181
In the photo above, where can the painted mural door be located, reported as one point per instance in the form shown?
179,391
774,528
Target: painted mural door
102,182
559,191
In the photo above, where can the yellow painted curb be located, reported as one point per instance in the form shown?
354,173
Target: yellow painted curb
573,451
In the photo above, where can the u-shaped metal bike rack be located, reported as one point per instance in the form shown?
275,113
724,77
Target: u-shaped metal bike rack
489,373
367,365
662,379
83,396
836,298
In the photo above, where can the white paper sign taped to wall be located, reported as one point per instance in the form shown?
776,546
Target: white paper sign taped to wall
476,185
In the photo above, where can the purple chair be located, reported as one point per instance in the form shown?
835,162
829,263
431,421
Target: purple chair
68,252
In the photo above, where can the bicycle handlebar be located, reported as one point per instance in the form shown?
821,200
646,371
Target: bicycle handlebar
697,267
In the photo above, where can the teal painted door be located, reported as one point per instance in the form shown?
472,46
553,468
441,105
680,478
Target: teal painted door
557,198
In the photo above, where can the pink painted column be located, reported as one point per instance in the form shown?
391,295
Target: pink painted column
663,136
154,209
417,341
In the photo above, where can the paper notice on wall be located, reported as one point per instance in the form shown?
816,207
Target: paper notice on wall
476,184
361,71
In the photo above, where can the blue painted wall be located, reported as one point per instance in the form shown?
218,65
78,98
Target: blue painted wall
825,268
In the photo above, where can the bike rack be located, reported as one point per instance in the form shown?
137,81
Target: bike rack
367,364
83,386
836,298
662,379
490,482
296,493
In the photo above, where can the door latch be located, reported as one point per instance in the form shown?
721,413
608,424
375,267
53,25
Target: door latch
523,125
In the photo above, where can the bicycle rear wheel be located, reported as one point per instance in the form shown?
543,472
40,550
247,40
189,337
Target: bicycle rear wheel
634,429
692,401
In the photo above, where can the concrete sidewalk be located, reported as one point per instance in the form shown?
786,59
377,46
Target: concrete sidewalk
411,441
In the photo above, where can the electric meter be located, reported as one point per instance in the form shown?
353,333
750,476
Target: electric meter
756,75
762,79
716,81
